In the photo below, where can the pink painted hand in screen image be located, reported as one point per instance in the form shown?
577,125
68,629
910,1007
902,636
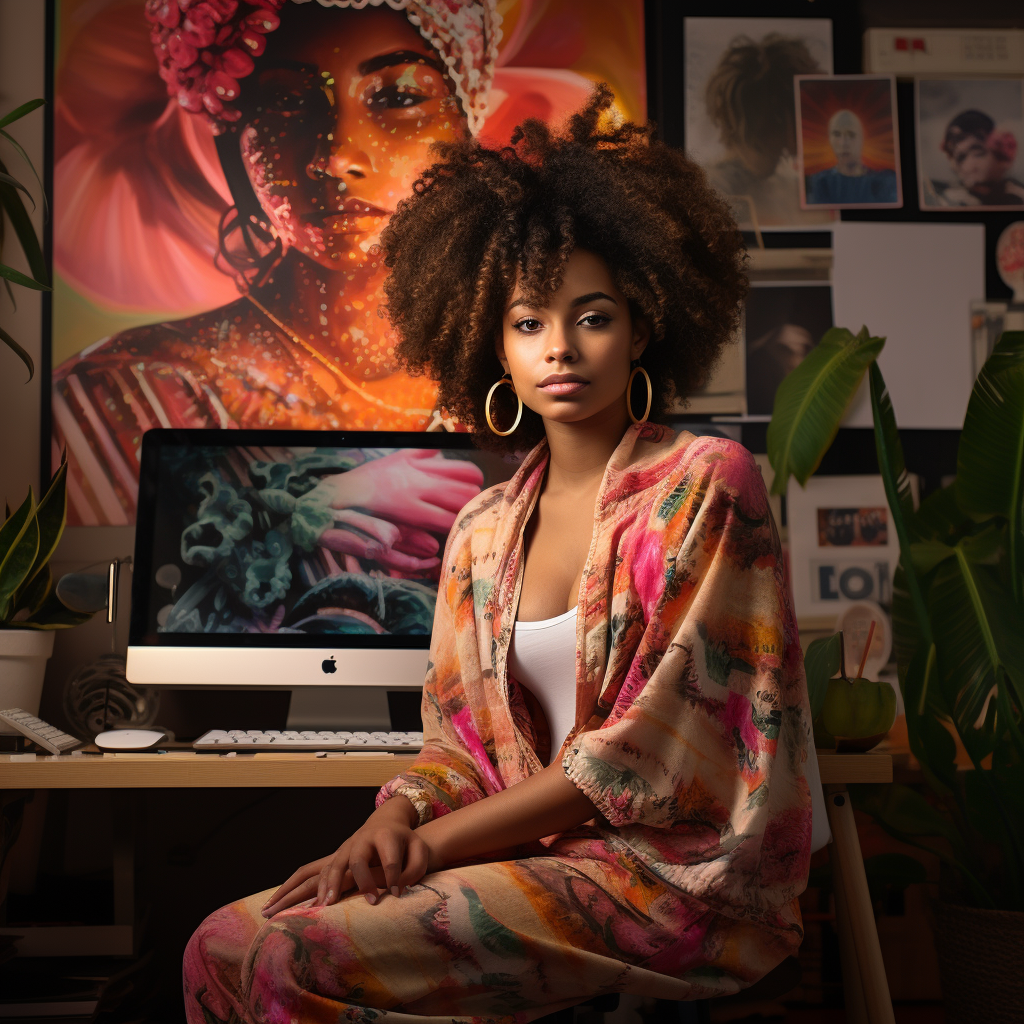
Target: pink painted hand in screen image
401,502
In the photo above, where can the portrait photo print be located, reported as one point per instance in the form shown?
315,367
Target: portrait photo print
848,139
740,116
969,133
782,323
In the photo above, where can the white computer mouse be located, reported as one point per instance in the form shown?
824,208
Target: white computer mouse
129,739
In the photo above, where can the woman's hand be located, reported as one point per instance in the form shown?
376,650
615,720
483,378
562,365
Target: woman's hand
385,853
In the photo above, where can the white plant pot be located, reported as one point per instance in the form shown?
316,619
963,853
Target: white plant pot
23,656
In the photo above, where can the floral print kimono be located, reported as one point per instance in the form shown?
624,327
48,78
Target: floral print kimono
692,728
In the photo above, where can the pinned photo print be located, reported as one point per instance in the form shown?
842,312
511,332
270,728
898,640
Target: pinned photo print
853,527
848,142
783,322
740,113
968,135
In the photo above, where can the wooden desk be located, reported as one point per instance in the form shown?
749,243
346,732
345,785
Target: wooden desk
867,990
185,769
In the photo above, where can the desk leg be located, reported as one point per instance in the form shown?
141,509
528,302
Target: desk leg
125,825
854,906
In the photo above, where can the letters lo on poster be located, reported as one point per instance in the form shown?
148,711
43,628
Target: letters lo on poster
222,172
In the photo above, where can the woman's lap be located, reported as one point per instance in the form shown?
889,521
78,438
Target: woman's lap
505,941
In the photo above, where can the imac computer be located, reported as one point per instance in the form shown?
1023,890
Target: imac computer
306,561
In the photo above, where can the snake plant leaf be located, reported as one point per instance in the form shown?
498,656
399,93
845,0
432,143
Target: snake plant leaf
33,594
18,559
32,167
19,112
821,663
23,279
14,525
25,230
54,614
19,352
811,402
990,460
9,179
51,514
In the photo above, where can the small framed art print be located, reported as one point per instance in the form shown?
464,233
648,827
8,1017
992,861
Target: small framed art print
848,142
842,544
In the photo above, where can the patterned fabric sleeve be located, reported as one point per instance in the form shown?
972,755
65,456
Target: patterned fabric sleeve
708,733
453,769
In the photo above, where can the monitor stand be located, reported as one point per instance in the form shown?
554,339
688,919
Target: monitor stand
365,708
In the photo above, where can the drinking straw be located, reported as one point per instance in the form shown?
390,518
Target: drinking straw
867,647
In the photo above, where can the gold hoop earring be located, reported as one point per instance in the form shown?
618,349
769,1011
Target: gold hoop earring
629,394
487,407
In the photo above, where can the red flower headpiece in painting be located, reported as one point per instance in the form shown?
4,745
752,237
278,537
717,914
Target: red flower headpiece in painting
204,47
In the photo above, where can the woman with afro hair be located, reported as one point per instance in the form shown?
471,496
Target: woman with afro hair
611,794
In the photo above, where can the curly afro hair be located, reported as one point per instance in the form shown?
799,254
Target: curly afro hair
480,219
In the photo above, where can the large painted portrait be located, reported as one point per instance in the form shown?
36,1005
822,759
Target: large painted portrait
222,170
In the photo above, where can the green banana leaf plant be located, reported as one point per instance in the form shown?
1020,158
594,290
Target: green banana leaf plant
958,607
28,538
13,205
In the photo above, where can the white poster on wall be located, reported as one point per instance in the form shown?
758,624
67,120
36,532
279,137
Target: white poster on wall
912,284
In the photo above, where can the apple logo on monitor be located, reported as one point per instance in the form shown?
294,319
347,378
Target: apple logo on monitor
328,665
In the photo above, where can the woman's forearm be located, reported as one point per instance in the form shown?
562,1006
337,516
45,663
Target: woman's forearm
541,805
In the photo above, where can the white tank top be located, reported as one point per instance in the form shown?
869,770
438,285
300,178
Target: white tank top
542,657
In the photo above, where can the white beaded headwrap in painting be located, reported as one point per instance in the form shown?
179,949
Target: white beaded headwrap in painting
465,34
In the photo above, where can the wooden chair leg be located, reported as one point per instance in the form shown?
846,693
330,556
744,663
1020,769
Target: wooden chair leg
853,986
854,907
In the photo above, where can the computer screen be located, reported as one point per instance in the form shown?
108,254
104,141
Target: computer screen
294,559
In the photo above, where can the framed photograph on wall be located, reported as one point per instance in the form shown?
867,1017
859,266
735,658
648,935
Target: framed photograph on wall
849,142
842,545
219,183
740,120
969,136
783,321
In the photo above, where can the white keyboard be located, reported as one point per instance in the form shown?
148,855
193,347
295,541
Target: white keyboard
47,736
288,739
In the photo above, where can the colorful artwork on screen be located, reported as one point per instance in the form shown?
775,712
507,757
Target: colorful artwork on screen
222,172
310,541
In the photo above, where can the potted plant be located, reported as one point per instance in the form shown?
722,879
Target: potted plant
958,622
29,607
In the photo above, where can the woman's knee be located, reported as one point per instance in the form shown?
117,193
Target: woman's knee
211,966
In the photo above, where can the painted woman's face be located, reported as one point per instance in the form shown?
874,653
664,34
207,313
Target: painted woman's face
349,103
